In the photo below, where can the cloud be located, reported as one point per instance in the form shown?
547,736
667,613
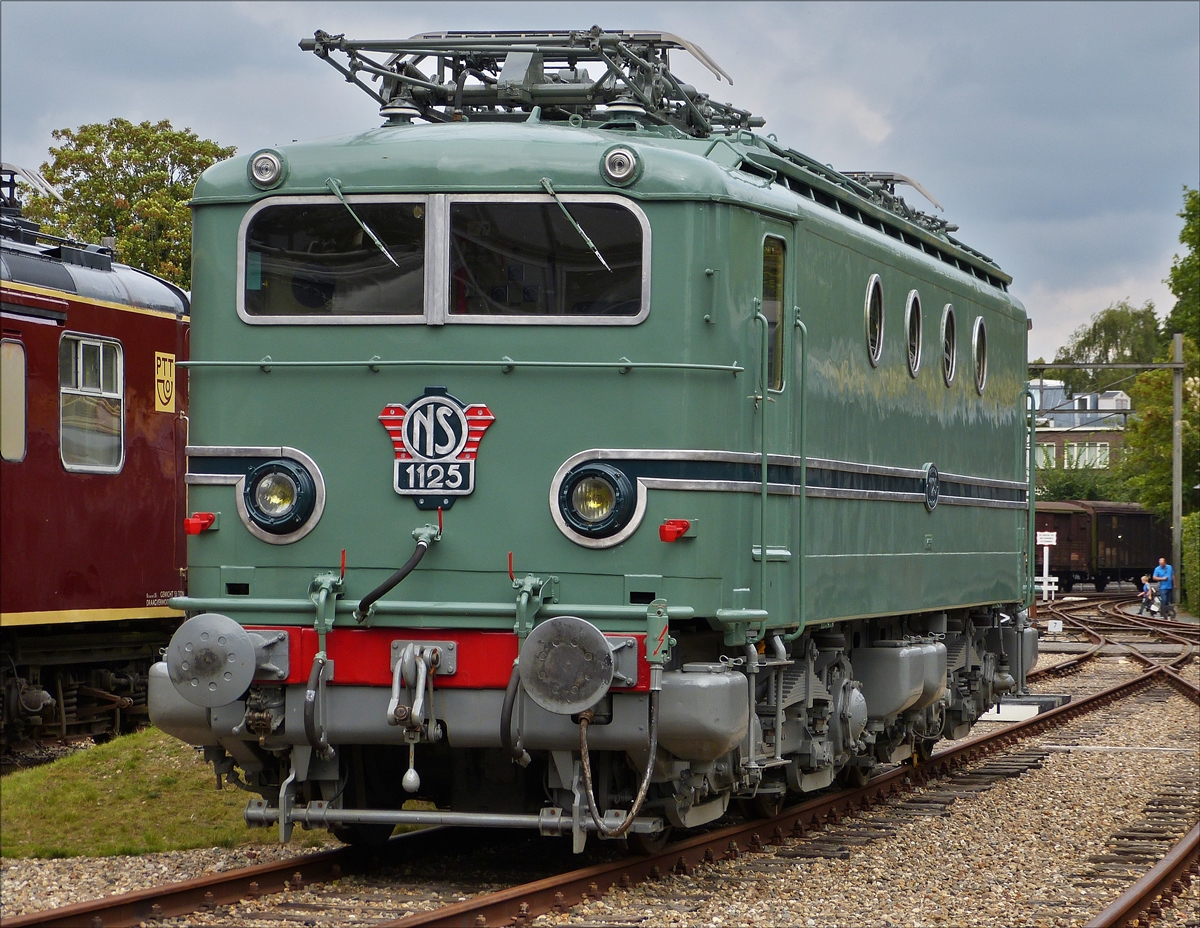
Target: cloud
1057,311
1058,135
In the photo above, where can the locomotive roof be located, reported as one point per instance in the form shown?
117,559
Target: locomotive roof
498,157
450,78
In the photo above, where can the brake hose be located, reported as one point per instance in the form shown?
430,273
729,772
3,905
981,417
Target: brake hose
516,751
585,762
318,741
368,601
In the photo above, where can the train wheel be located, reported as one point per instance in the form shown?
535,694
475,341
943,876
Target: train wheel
639,843
1066,584
363,835
853,776
1101,583
360,792
765,805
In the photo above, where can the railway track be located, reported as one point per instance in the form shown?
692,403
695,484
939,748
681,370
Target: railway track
826,826
1108,625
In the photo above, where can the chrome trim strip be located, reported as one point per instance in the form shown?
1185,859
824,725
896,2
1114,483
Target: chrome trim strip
239,483
777,489
985,482
233,451
879,470
886,495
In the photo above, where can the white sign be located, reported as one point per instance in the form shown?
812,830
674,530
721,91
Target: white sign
1054,626
1047,538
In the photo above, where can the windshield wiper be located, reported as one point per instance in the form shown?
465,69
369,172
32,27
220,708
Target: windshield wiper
596,251
333,185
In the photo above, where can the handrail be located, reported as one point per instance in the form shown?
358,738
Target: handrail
1031,476
624,365
499,610
803,458
764,384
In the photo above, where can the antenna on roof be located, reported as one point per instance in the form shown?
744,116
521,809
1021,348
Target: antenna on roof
501,76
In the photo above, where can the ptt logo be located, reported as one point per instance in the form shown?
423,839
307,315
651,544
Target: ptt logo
436,440
164,382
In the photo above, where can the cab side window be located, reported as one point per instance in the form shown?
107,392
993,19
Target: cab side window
772,307
91,404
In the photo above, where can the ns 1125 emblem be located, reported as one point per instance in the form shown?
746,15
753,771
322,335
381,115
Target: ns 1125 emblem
436,439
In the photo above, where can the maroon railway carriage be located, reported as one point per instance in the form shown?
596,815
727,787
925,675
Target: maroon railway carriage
1101,542
92,415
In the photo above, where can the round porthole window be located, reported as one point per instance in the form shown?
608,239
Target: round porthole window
873,311
979,343
912,325
949,345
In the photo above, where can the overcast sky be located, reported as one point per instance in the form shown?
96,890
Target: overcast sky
1058,136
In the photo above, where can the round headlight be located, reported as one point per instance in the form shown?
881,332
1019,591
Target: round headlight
597,500
266,168
620,166
276,494
280,496
593,499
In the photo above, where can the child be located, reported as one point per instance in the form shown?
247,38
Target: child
1146,596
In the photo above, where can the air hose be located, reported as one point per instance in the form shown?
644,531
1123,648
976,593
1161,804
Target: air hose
585,762
318,742
368,601
516,751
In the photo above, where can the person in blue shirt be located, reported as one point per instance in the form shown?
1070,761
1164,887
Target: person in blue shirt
1164,574
1146,596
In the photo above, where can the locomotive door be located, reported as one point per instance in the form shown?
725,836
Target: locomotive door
781,513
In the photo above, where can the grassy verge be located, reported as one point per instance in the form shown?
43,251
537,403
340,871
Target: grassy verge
138,793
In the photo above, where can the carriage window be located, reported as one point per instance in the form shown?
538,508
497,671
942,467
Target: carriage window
949,345
12,400
912,323
314,259
979,341
772,307
874,313
526,259
91,394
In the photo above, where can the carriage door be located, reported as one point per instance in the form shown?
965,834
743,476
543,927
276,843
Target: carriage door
782,512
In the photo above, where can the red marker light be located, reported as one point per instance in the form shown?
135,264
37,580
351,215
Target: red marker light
199,522
673,529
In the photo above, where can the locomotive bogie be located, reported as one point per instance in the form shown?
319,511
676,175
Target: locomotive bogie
712,480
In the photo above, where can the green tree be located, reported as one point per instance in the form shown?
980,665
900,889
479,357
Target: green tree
1146,462
1120,333
1184,279
130,182
1057,484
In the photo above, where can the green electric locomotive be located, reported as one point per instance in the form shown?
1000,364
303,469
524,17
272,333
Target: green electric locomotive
707,466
